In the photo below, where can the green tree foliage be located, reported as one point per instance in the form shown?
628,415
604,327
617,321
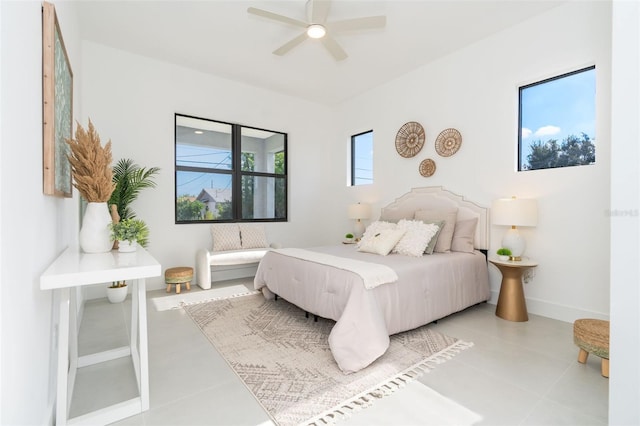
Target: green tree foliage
248,165
574,151
224,210
280,201
188,208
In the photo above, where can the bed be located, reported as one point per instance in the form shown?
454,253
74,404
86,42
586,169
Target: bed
383,295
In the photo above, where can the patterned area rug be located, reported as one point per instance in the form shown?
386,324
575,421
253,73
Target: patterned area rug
284,358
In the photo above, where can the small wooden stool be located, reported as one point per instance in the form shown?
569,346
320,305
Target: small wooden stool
592,337
179,275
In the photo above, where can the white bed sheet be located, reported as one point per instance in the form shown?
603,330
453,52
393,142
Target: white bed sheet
428,288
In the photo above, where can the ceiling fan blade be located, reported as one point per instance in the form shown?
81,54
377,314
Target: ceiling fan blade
334,48
276,17
366,23
290,44
318,10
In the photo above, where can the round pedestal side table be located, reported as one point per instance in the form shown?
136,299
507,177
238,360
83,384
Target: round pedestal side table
511,304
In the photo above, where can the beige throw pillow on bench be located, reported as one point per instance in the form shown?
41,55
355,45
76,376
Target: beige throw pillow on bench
253,235
225,236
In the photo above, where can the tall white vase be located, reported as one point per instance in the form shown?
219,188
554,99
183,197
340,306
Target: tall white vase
95,236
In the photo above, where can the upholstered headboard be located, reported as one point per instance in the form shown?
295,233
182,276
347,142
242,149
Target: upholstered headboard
436,197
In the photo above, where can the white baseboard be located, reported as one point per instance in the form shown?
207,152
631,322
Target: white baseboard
554,310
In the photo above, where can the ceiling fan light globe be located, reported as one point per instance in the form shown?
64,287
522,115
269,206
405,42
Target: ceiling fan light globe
316,31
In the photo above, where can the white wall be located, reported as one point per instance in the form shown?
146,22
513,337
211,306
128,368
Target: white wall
132,100
624,384
475,90
35,228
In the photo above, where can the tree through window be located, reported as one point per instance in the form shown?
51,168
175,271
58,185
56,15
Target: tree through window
557,120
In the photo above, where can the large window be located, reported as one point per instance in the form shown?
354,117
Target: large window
228,173
362,158
557,121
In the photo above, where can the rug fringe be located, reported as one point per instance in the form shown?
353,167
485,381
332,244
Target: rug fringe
388,387
213,299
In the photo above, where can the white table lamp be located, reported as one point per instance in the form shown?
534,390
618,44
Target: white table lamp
358,212
514,212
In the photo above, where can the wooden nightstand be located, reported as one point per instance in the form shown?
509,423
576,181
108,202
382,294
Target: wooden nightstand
511,304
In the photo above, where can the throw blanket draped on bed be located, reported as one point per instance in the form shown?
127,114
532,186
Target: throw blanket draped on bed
372,274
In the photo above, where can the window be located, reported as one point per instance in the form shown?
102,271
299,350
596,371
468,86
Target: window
557,121
228,173
362,158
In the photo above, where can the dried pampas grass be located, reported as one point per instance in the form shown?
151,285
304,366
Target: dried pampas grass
91,165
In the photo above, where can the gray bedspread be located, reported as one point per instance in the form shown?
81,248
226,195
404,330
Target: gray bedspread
428,288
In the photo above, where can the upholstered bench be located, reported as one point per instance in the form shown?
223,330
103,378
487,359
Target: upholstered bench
235,246
592,337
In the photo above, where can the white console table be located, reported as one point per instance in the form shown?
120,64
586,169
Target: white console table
73,268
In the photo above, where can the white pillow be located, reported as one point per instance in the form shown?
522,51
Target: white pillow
382,242
253,236
225,236
443,245
416,238
374,228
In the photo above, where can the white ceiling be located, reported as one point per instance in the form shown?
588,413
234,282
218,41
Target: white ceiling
221,38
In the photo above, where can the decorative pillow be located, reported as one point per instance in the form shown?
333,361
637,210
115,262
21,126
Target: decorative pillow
432,243
382,242
416,238
253,236
395,216
225,236
463,235
443,245
374,228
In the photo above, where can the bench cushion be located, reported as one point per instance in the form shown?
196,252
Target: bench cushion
237,257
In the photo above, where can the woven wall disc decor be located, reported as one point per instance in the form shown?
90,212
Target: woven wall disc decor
410,139
448,142
427,167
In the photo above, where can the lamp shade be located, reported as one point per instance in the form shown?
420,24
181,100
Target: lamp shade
514,212
359,211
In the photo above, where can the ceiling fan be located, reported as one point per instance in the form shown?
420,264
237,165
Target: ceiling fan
317,26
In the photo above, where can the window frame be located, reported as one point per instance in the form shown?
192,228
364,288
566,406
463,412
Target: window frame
519,160
236,173
353,158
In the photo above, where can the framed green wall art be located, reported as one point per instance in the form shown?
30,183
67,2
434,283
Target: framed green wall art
57,108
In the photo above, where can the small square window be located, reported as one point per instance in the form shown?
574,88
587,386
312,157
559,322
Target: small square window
557,121
362,158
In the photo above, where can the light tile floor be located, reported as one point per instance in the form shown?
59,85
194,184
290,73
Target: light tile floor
516,374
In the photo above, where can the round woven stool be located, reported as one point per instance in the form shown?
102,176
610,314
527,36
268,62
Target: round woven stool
178,276
592,337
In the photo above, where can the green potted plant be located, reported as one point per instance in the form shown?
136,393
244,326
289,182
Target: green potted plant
129,233
503,254
129,179
348,238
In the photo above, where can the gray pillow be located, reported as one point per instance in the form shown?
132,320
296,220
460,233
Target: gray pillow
443,245
434,239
